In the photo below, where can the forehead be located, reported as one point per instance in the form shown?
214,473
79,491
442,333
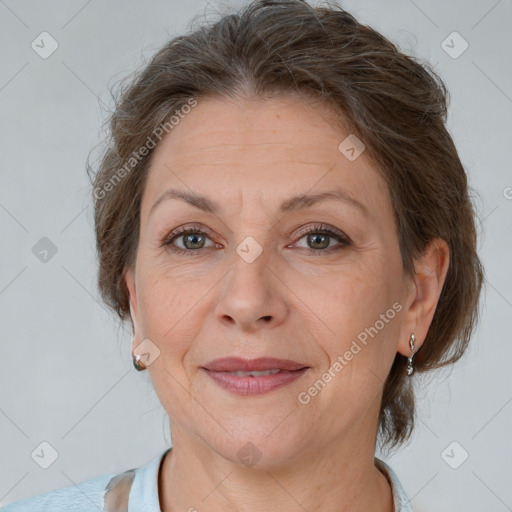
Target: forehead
271,148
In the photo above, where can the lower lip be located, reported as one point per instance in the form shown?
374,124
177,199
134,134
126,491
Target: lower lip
254,385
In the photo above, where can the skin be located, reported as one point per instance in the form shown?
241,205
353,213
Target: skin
287,303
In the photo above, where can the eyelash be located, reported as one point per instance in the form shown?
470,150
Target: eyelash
316,229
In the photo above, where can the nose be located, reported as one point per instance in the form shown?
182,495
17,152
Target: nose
251,296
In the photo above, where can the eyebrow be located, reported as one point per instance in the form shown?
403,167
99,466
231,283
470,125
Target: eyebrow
294,203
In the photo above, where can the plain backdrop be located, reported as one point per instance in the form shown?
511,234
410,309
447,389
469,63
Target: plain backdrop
66,374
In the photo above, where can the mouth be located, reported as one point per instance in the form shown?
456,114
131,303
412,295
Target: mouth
253,377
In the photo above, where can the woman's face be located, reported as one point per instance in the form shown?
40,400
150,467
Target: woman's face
261,278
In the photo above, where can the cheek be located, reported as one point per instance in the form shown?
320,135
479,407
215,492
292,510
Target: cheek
357,322
168,311
351,298
169,293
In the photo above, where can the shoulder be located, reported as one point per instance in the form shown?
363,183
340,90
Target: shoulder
85,496
400,498
89,495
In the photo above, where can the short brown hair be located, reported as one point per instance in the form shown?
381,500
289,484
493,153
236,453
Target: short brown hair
396,105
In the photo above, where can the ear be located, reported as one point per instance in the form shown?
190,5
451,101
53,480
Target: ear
421,301
129,278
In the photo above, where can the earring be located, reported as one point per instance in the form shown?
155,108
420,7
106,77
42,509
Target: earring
137,363
410,367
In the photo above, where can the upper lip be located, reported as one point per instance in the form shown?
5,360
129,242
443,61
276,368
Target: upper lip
231,364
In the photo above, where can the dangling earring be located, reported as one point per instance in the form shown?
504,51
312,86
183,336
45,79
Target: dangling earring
410,367
137,363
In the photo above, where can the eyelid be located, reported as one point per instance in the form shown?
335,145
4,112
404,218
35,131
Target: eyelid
320,227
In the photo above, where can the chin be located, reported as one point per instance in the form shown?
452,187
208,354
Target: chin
252,446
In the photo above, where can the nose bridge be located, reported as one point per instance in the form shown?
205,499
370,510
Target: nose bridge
249,272
250,295
252,237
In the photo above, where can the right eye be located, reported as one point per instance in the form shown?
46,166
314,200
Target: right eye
193,238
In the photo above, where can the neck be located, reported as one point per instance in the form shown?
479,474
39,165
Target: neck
339,477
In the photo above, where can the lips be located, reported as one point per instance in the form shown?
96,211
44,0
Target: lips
233,364
254,376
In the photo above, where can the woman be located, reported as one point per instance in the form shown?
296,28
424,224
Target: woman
284,218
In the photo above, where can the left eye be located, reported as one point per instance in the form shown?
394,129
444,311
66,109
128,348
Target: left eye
319,240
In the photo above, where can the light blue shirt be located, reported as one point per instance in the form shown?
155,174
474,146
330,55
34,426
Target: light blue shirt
88,496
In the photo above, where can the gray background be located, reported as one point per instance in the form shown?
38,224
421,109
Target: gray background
66,376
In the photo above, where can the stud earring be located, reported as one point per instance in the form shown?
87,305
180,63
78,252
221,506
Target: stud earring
137,363
410,367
